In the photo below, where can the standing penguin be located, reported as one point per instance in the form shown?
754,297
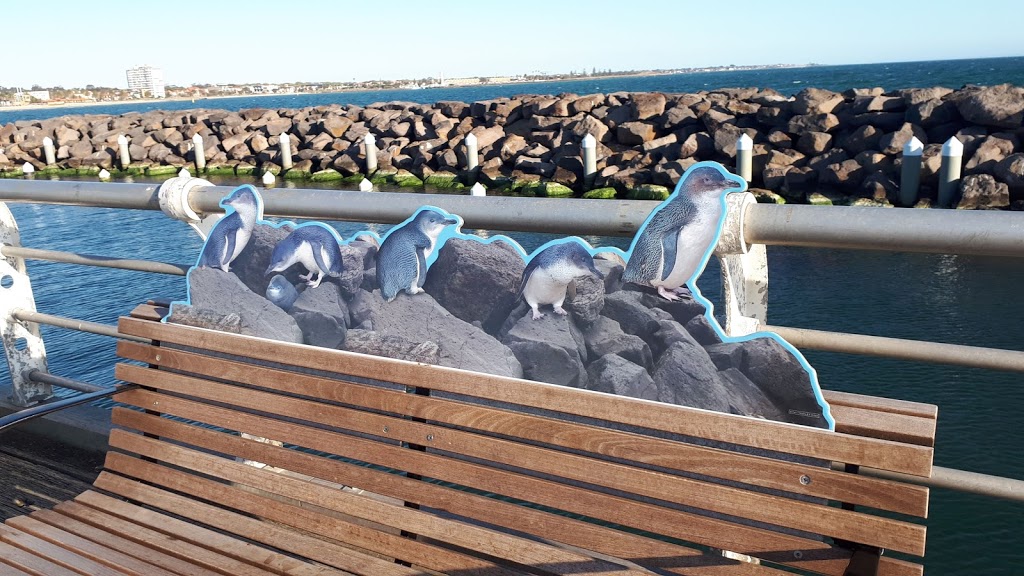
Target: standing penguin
229,237
312,245
670,248
402,258
547,276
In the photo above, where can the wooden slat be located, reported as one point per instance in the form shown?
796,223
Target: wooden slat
8,570
83,547
614,509
835,522
600,539
149,312
837,398
780,437
112,541
159,541
885,425
765,472
54,553
30,563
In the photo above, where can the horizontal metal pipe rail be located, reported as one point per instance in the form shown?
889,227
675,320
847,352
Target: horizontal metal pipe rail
73,324
844,227
69,383
45,409
936,352
959,480
94,260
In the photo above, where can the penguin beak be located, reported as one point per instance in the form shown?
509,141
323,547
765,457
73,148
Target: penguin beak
270,270
450,221
596,272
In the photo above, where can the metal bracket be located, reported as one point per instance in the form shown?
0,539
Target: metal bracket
173,195
744,271
23,345
864,561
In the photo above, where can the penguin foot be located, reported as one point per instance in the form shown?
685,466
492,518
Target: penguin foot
670,296
314,284
560,311
537,315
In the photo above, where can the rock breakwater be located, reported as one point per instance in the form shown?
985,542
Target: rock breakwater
818,146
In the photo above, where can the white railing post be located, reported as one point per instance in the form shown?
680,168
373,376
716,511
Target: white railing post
173,197
910,173
286,151
123,153
370,151
949,171
472,156
478,189
744,271
23,345
589,149
48,152
28,169
745,157
199,152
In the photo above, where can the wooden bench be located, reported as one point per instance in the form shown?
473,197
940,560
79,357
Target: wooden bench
384,467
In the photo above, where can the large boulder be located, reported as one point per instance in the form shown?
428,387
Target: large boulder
990,151
222,293
1011,171
322,315
605,337
397,347
685,375
816,101
783,379
999,106
614,374
550,350
420,319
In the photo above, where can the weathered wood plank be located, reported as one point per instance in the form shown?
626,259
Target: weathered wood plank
892,405
885,425
780,437
30,563
56,554
765,472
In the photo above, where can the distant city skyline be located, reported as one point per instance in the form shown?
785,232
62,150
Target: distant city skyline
322,41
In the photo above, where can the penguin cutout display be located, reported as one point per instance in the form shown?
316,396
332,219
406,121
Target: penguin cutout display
274,284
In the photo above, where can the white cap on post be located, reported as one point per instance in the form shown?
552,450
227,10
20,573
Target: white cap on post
365,185
268,178
913,147
589,141
744,142
953,147
122,140
370,140
27,168
184,173
103,175
470,139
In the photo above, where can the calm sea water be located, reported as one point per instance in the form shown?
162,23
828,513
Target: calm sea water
957,299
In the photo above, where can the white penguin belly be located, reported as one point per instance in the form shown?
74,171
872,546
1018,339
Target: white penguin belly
304,256
544,288
241,239
691,245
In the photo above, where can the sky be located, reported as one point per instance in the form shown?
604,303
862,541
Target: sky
71,43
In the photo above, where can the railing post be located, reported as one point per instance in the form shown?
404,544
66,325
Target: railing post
48,152
286,151
910,173
268,179
123,153
173,197
478,189
23,345
589,149
199,152
471,152
745,157
744,271
949,171
28,169
370,151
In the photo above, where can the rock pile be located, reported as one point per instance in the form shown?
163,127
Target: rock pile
616,338
818,146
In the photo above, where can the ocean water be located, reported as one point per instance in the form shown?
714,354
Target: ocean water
945,298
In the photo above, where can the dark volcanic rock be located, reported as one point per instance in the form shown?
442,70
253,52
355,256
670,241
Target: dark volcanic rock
982,191
586,299
251,265
616,375
377,344
783,379
686,375
550,350
633,317
997,106
222,293
476,281
605,337
747,399
322,315
200,318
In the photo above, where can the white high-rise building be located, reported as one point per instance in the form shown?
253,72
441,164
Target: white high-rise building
147,81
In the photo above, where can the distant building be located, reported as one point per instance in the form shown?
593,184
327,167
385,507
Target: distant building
147,81
41,95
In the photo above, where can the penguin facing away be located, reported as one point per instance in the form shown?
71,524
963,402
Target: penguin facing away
402,257
230,235
671,246
315,246
546,278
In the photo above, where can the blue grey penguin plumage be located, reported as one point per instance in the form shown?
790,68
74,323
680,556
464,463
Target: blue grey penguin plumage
671,246
281,292
231,234
402,258
315,247
546,278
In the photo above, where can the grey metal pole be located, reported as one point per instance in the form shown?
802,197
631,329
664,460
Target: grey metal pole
200,153
949,171
123,151
286,151
959,480
745,157
472,156
73,324
370,151
589,149
51,157
910,173
92,260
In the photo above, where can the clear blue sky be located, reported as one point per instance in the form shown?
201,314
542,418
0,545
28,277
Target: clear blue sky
73,43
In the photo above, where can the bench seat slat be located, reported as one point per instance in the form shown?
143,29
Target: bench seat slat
891,405
56,554
585,535
884,425
764,472
885,455
804,516
87,548
30,563
642,516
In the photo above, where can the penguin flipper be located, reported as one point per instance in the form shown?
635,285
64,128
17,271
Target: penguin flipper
421,270
318,257
396,271
669,247
526,276
229,248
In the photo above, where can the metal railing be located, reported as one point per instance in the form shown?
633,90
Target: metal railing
749,226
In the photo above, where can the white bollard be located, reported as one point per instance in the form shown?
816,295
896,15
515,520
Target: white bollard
286,151
745,157
910,173
589,149
365,185
268,179
103,175
48,152
370,150
184,173
200,153
949,171
28,169
122,146
472,156
478,190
